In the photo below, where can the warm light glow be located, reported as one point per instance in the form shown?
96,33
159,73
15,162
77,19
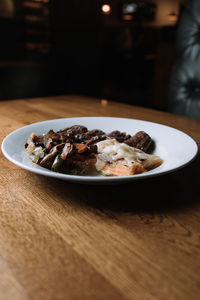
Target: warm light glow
104,102
106,9
127,17
172,17
44,1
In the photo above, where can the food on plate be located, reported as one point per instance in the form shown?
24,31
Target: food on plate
78,151
120,159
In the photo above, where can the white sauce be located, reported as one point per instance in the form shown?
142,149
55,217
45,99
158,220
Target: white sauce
111,150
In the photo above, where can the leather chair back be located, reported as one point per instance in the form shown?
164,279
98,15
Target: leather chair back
184,84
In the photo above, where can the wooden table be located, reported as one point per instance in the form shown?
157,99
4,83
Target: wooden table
61,240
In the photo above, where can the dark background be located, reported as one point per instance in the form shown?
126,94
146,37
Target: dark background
61,47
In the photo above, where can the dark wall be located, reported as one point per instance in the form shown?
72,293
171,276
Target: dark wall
71,47
70,61
76,51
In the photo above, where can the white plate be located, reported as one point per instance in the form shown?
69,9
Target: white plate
176,148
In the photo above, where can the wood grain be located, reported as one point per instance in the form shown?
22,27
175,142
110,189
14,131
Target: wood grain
62,240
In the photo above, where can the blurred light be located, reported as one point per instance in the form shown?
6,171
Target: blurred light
104,102
127,17
129,8
106,9
43,1
173,17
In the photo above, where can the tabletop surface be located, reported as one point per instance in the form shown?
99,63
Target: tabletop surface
61,240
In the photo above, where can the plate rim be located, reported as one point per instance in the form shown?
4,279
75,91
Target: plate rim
96,179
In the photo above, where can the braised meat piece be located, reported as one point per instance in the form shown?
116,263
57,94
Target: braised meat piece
67,135
76,129
92,148
119,136
140,140
95,133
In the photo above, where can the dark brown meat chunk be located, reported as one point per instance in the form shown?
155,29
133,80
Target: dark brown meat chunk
97,134
119,136
67,138
68,135
55,137
73,130
140,140
92,148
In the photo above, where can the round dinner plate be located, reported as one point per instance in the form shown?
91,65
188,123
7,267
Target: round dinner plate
176,148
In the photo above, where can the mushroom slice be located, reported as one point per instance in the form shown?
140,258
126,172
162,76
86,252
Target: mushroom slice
67,150
49,158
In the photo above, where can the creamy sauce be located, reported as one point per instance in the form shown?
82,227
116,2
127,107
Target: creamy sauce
112,150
